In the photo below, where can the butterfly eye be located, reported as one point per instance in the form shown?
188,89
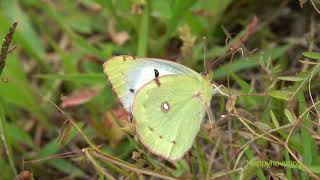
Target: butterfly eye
165,107
131,90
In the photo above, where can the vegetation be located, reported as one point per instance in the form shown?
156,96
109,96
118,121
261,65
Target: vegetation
59,118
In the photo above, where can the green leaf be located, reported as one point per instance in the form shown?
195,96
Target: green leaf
274,119
291,117
315,169
312,55
290,78
280,94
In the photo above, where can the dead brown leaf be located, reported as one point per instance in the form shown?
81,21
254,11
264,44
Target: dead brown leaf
113,123
117,37
137,8
230,103
24,175
80,97
302,2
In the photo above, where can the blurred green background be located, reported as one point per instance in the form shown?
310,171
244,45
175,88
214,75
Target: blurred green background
61,46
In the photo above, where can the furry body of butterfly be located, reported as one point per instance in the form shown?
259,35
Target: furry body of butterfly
167,101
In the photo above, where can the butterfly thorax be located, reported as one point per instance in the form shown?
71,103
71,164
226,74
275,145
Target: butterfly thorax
207,90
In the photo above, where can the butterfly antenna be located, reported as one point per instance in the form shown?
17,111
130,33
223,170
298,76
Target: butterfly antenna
205,72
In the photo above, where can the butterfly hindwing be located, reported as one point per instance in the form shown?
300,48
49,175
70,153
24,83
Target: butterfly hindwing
168,117
167,101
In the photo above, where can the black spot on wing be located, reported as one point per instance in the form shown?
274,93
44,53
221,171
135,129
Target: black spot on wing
156,73
150,128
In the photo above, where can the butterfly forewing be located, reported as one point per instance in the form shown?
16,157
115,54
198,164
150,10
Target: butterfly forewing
168,117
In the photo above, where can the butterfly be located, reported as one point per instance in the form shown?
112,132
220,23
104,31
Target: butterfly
167,101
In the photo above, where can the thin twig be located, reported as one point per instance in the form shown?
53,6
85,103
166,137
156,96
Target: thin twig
132,168
97,166
211,159
226,173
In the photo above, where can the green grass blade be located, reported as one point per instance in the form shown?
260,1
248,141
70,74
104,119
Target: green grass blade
92,78
289,172
4,138
144,31
250,156
274,119
203,166
305,135
18,90
312,55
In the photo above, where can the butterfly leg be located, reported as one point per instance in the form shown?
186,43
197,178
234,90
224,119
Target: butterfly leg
210,115
217,90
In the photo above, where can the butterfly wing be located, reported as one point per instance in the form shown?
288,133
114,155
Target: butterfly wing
168,117
128,74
